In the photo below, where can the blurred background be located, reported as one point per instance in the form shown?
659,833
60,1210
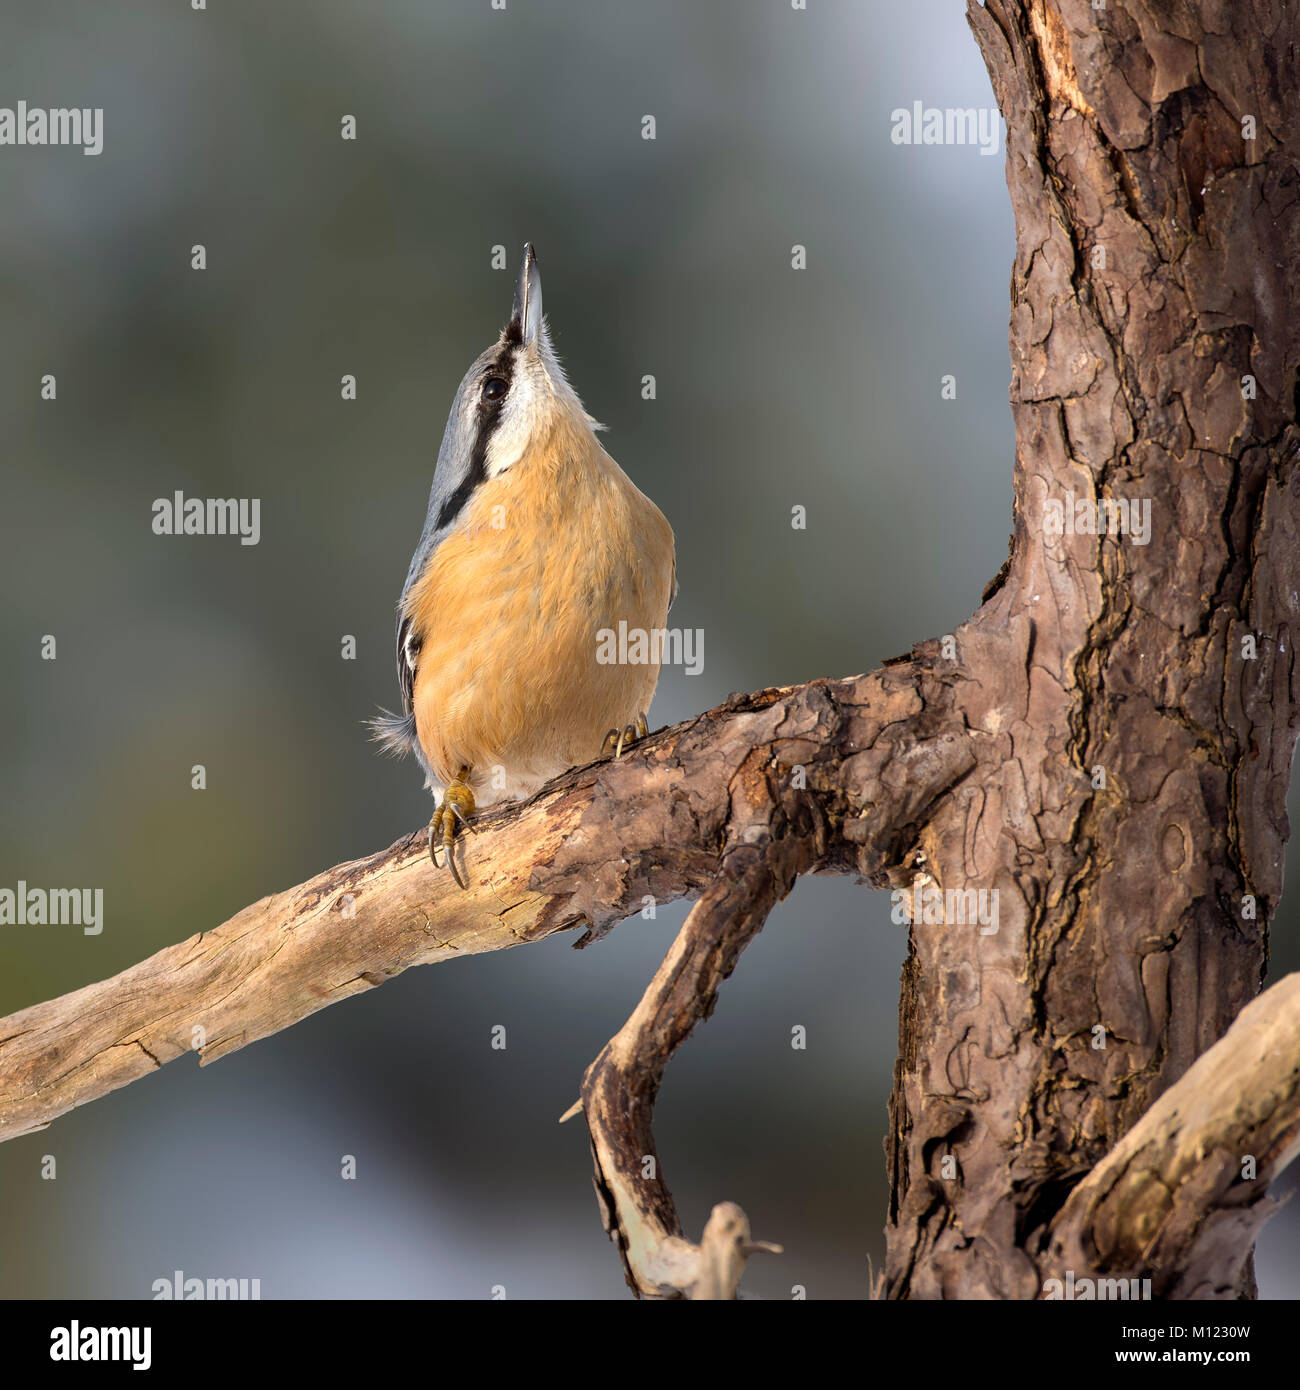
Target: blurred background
776,388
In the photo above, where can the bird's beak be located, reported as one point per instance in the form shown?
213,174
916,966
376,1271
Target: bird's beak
526,313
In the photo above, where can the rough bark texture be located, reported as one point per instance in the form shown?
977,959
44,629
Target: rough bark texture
1122,905
1100,746
1182,1195
587,850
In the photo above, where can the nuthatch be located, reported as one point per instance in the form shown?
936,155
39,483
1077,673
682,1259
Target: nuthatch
535,541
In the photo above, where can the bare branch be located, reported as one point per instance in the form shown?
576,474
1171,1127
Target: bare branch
620,1087
275,963
585,851
1180,1198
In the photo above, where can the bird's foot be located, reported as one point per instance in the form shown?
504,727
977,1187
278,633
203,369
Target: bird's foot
456,808
619,739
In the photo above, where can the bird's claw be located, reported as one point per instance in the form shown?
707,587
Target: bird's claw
618,739
456,808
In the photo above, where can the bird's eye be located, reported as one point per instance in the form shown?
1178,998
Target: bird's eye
494,388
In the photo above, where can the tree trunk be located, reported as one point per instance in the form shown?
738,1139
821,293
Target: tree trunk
1131,705
1105,746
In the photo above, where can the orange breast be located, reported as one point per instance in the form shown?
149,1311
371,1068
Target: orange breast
509,610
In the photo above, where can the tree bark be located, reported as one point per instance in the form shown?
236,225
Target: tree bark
1106,746
1129,797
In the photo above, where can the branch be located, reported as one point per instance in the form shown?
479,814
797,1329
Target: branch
276,962
587,850
1172,1201
619,1089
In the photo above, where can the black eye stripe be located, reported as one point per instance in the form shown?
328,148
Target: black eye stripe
489,417
502,368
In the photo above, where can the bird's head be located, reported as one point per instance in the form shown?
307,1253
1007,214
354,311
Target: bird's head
513,396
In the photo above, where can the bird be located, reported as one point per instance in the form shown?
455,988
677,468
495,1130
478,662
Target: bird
535,546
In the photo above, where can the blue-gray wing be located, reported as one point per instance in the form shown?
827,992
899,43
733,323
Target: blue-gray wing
461,468
396,732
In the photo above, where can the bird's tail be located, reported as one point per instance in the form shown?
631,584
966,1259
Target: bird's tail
395,733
